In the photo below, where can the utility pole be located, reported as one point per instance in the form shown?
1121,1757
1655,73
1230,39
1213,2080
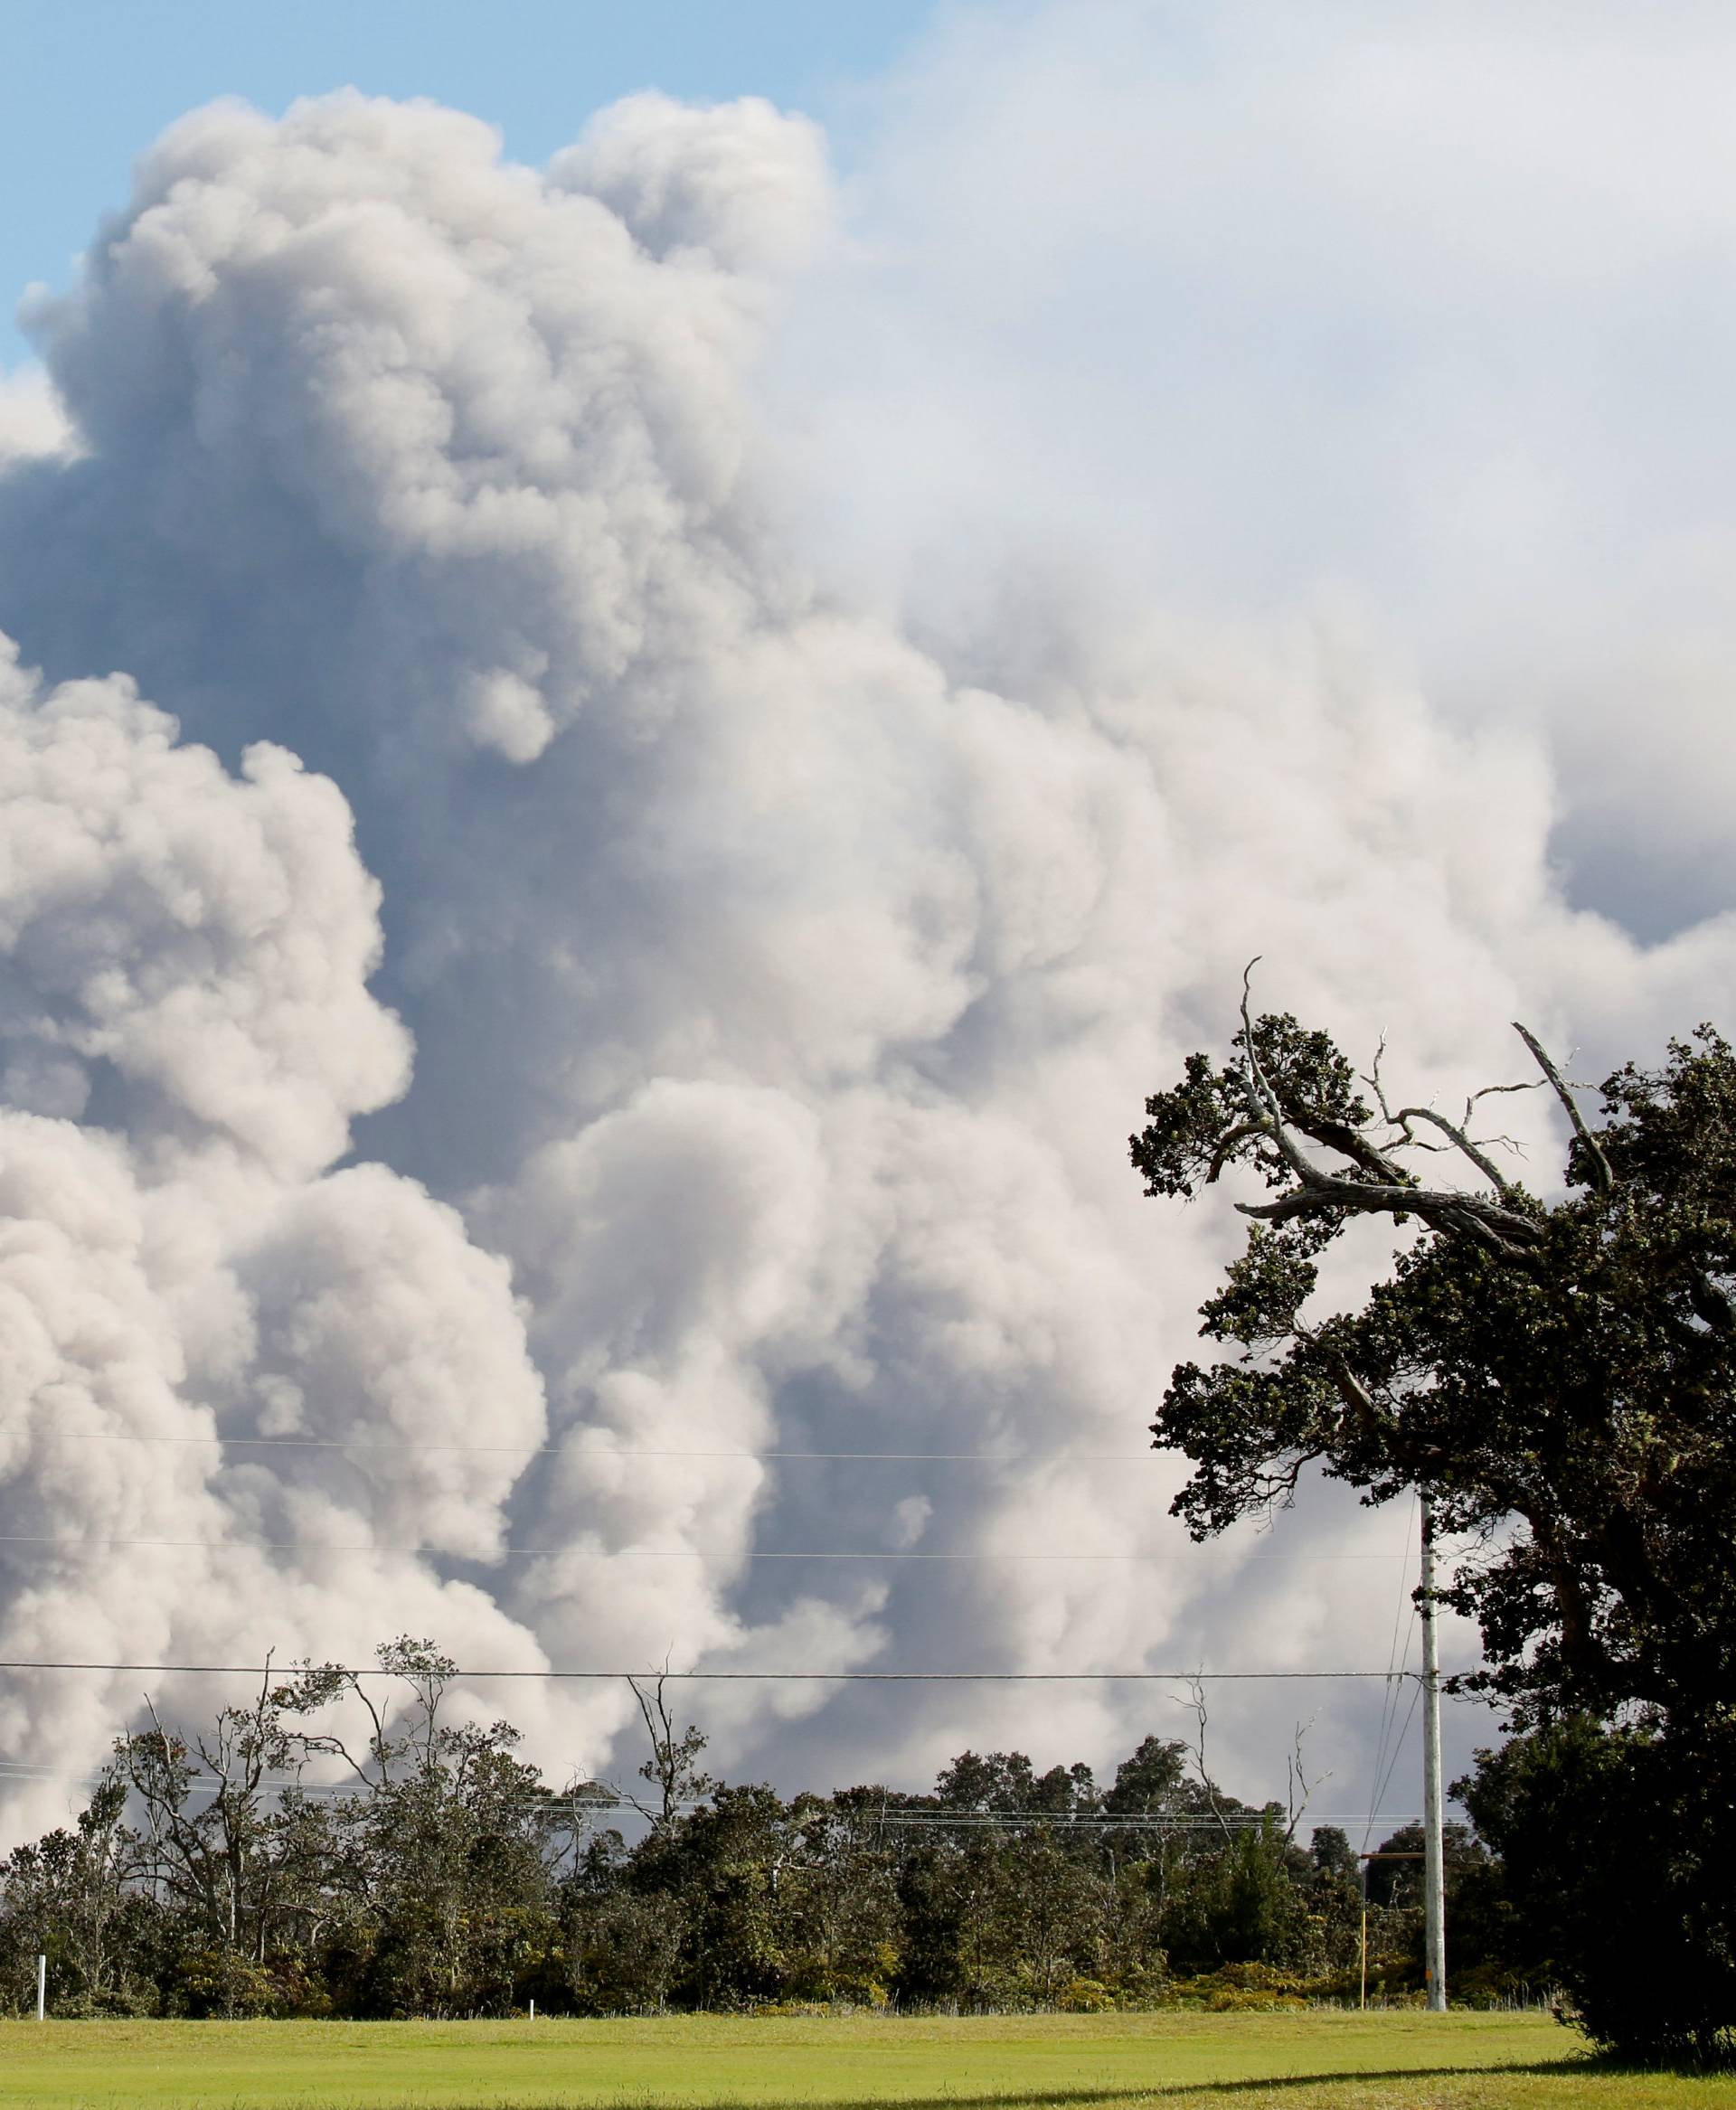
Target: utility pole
1434,1901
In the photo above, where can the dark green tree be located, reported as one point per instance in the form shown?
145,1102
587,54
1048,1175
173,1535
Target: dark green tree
1238,1905
727,1862
1153,1780
442,1899
840,1902
226,1843
1617,1867
1559,1372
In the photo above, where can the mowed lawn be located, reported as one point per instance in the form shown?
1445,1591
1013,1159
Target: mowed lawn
1406,2061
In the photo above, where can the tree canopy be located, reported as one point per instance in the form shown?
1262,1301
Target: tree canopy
267,1863
1558,1370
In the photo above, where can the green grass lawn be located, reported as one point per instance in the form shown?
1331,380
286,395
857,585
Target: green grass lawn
1401,2061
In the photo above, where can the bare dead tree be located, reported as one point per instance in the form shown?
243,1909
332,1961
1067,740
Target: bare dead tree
672,1767
1196,1749
1298,1787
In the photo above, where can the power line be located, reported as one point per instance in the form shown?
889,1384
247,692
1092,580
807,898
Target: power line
1393,1663
557,1801
1404,1730
725,1677
63,1544
1112,1821
587,1797
568,1454
1074,1819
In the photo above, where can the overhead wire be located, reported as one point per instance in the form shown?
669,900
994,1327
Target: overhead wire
580,1454
725,1677
571,1452
1385,1781
586,1795
582,1800
64,1543
1398,1747
1394,1661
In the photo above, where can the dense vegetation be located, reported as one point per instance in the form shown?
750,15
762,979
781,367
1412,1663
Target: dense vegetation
446,1879
1560,1375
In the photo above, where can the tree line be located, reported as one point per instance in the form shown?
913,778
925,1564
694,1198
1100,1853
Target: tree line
210,1875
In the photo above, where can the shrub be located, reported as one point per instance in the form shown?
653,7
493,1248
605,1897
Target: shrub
1619,1855
1085,1996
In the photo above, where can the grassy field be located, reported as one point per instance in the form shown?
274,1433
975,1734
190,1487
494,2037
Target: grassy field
1405,2061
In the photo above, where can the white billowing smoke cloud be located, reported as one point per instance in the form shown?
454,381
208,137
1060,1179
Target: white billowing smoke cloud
1437,304
197,947
741,185
188,1036
782,991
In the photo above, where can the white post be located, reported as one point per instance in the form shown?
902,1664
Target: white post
42,1987
532,2006
1434,1901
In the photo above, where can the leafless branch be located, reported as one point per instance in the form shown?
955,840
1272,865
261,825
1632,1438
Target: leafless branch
1460,1141
1602,1177
1459,1133
672,1766
1299,1789
1196,1705
1490,1091
1221,1155
1503,1230
660,1729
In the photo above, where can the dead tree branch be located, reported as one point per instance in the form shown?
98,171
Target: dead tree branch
1390,1192
1601,1176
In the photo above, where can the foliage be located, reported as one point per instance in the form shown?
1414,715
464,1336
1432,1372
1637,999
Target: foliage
1243,1908
624,1949
1616,1869
210,1877
69,1897
1561,1376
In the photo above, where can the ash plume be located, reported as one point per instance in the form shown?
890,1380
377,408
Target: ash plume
544,995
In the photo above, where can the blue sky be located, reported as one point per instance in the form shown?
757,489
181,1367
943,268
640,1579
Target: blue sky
86,84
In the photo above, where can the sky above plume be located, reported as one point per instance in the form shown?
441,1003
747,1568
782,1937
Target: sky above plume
626,753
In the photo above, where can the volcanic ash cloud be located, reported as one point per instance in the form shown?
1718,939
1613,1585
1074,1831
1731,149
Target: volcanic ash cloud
781,992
